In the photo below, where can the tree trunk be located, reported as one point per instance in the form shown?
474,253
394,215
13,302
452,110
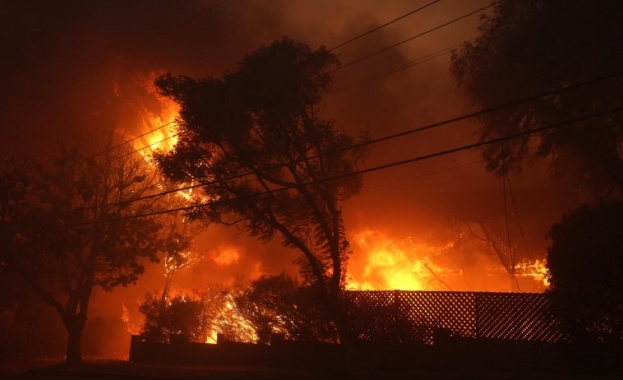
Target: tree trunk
74,343
344,332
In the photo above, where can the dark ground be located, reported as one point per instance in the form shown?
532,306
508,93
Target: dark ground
124,370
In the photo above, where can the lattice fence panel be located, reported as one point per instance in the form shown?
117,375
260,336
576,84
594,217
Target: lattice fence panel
452,311
516,316
416,316
373,315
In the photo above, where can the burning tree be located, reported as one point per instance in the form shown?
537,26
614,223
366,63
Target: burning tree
68,226
267,162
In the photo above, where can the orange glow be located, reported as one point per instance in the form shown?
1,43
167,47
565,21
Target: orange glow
161,133
158,127
226,255
381,263
130,327
231,323
536,270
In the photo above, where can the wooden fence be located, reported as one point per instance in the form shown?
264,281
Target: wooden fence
431,317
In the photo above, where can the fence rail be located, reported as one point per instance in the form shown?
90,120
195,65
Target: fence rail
427,316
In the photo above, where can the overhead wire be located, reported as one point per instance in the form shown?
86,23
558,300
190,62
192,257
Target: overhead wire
217,7
408,65
409,131
391,164
353,39
382,50
365,80
126,142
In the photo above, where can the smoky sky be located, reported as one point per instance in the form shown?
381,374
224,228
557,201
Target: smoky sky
73,70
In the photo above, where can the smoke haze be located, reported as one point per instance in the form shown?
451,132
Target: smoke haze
74,71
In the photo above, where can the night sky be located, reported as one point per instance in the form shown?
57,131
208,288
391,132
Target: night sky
73,70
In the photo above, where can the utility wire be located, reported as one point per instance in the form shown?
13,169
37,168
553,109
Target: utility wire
408,65
383,26
133,139
374,53
404,133
386,166
370,78
135,151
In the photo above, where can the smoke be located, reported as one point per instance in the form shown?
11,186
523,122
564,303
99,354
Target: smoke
75,70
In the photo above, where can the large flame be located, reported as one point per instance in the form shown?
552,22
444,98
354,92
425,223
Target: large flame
381,262
159,130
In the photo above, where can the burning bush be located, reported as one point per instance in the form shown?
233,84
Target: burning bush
177,319
196,318
279,304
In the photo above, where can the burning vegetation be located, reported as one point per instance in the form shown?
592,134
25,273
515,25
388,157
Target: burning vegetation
226,196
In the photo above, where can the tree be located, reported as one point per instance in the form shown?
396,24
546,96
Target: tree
253,139
529,47
585,263
479,235
68,227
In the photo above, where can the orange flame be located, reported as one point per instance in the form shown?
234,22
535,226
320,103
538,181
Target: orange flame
536,270
160,133
381,263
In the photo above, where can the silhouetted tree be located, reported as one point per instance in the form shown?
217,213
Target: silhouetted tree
68,226
483,232
533,46
267,162
279,304
585,262
180,318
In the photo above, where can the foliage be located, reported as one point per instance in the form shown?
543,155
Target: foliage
267,162
529,47
68,226
585,262
196,318
177,319
279,304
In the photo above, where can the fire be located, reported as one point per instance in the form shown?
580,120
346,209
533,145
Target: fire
130,327
381,263
536,270
226,255
230,323
160,131
156,118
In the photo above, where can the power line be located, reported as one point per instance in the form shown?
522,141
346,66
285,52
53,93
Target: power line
365,80
383,25
389,165
135,151
429,174
413,37
406,132
408,65
133,139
